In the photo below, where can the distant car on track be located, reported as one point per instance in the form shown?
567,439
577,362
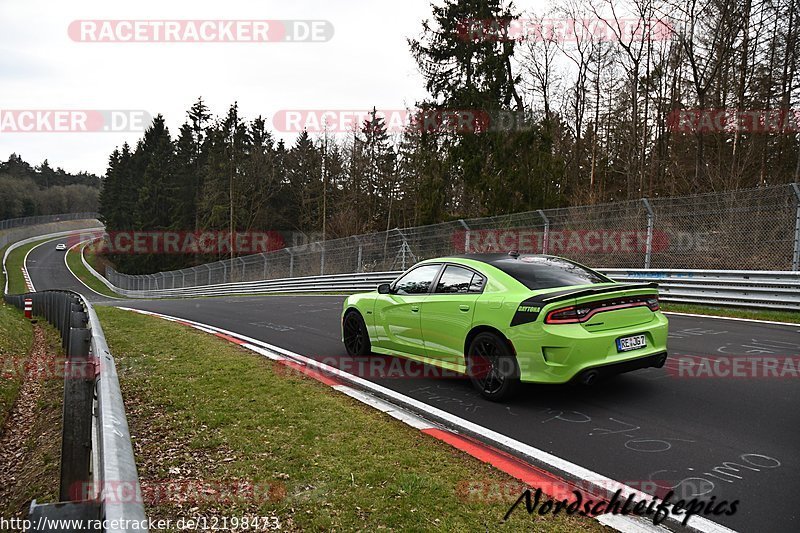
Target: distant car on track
503,319
61,246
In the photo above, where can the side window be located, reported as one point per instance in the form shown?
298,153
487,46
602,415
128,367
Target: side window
418,281
478,283
457,280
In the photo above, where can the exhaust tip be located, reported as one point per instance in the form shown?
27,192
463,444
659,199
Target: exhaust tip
661,361
590,378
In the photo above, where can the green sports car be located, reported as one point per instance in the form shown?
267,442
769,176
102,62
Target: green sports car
503,319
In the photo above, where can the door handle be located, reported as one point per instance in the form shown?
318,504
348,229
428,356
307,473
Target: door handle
415,309
464,307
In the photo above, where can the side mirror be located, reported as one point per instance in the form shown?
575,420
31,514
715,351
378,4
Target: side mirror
384,288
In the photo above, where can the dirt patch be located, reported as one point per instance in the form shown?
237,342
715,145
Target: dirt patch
30,439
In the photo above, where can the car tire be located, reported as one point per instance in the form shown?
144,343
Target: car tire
492,367
355,334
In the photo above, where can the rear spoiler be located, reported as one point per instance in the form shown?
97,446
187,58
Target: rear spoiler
551,297
528,311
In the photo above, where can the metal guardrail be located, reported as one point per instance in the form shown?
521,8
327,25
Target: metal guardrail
736,288
757,289
97,455
366,281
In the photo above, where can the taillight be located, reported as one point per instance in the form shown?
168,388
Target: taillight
566,315
583,312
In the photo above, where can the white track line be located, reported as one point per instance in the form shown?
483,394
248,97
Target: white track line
25,273
553,464
796,325
79,279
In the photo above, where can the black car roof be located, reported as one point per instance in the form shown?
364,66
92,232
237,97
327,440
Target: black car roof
493,258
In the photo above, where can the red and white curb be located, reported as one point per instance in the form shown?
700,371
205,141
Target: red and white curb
28,282
458,432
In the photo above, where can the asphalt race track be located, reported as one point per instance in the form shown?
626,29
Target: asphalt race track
47,265
711,437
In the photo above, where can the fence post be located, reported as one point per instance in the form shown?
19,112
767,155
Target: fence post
466,235
291,262
546,236
266,260
796,256
322,259
360,260
650,222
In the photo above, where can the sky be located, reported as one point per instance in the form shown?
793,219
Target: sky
42,68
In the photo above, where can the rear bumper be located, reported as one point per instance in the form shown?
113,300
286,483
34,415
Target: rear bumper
557,354
589,375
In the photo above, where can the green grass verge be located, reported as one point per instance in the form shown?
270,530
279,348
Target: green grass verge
15,342
200,408
16,282
82,273
92,258
734,312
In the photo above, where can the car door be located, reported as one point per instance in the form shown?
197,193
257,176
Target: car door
447,313
397,315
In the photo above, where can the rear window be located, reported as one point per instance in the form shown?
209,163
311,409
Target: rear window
548,272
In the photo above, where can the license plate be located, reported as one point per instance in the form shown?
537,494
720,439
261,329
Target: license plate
626,344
